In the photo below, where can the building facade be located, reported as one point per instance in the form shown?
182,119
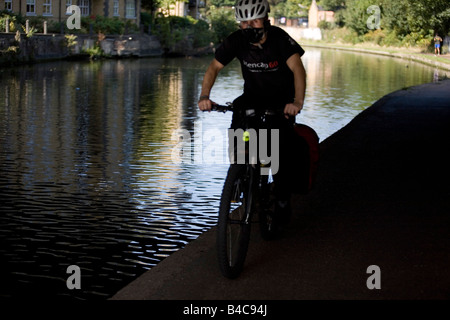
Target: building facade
56,10
317,14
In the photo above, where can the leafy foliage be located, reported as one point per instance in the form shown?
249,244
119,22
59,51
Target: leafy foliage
290,9
173,30
355,16
223,3
223,22
403,22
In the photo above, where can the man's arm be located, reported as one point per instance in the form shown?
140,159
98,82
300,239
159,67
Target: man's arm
296,65
204,103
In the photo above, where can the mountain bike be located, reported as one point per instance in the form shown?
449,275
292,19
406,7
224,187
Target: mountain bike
246,193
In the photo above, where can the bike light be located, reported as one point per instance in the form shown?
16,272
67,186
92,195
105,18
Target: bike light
246,136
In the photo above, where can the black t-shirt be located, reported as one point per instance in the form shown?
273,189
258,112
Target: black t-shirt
268,79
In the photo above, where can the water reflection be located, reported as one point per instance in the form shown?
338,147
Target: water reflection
341,84
86,170
87,176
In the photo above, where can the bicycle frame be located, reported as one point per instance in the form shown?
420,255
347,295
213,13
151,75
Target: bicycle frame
245,190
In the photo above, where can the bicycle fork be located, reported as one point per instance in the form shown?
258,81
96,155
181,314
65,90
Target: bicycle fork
248,204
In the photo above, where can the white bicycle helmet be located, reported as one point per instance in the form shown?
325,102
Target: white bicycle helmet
251,9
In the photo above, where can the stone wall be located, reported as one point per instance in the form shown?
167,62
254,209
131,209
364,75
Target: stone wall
54,46
23,49
132,45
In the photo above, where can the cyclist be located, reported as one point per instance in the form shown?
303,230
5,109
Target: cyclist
274,78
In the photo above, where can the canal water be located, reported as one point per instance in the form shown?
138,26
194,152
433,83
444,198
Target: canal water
91,168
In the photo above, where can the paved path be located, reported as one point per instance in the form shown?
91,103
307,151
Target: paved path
382,198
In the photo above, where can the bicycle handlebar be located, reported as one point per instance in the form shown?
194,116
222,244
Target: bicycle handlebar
222,108
229,107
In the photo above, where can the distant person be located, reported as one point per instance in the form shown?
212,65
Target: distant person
437,44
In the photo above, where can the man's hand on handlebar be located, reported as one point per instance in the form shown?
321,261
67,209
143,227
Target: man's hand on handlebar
292,109
204,103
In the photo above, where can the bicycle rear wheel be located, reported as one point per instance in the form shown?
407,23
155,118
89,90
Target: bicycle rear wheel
233,229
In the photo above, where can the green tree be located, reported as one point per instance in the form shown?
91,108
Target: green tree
394,16
333,5
425,15
401,16
356,16
405,22
223,22
223,3
290,9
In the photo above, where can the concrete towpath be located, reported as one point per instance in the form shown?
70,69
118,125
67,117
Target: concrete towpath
382,197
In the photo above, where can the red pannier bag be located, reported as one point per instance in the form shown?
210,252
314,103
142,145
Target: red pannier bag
306,158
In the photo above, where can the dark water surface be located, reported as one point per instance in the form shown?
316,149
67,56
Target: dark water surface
88,168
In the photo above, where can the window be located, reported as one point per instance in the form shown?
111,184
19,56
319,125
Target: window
47,9
31,7
84,7
8,5
130,9
68,4
116,8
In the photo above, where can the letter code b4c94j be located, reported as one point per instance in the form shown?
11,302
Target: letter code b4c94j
231,309
247,309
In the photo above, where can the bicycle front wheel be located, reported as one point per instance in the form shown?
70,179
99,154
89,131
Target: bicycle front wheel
267,221
233,229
